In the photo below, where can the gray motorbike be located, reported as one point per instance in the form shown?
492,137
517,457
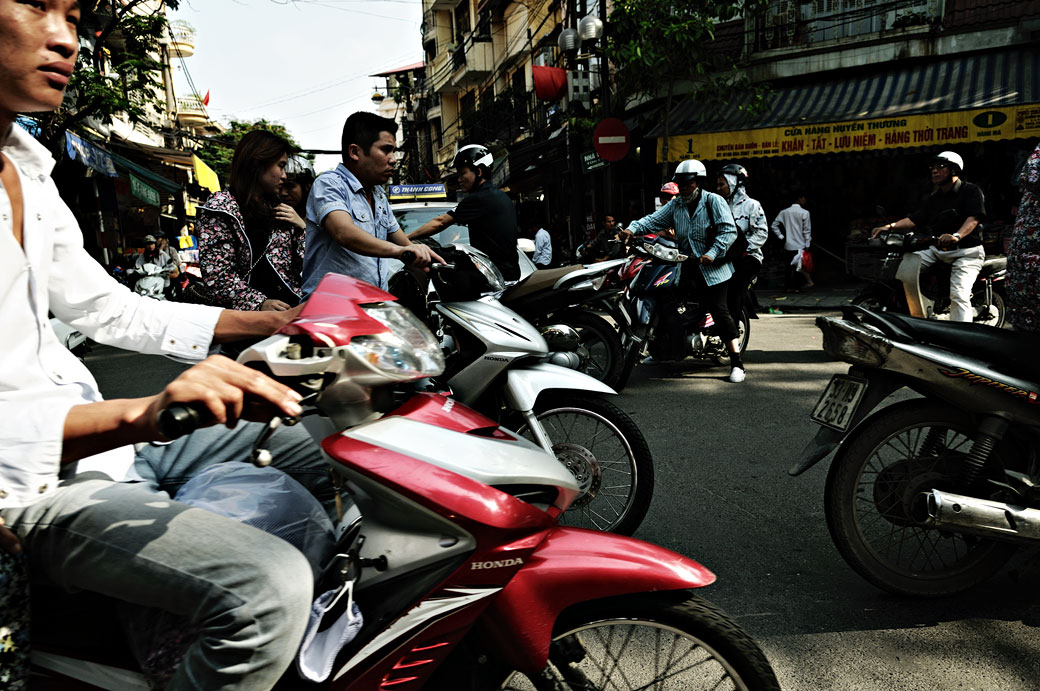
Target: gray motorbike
501,365
931,495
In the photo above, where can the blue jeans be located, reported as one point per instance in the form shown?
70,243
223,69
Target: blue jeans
248,591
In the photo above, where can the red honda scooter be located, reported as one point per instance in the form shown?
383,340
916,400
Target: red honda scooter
462,575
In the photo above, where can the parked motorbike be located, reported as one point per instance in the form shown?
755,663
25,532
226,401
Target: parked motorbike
69,337
899,284
501,365
462,575
661,319
579,297
928,496
151,281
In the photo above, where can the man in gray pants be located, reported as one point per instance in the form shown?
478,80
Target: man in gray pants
64,450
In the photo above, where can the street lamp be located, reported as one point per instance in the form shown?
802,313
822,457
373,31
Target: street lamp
590,29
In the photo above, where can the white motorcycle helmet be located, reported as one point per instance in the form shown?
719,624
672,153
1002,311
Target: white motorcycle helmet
690,170
953,160
475,156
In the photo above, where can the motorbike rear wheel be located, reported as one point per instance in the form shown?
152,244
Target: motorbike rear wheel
601,342
891,458
743,336
608,456
995,308
650,641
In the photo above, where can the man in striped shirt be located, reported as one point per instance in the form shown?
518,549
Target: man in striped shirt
705,229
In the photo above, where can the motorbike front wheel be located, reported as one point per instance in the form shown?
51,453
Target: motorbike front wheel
874,481
650,642
601,345
608,456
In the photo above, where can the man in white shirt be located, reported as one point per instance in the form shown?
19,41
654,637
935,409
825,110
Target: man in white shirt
793,226
247,591
542,249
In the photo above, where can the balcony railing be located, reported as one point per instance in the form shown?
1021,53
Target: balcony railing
472,62
191,111
797,24
183,43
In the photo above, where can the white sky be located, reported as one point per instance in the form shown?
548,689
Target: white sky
303,63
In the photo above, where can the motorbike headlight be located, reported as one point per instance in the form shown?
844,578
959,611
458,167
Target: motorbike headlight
407,351
668,254
490,272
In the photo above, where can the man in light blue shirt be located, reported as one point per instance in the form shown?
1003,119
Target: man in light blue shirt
350,227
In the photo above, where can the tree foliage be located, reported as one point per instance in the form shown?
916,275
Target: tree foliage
665,48
217,152
118,72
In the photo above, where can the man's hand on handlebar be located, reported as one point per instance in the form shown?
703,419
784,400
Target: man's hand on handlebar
225,392
419,256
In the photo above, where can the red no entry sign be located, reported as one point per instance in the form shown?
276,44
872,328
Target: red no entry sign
611,139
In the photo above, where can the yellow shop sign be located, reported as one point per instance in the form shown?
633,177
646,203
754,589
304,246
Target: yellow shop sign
936,129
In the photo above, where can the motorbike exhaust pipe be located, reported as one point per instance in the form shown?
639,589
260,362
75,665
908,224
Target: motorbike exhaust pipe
983,517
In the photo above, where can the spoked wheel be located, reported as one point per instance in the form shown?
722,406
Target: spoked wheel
743,336
600,346
873,488
991,314
608,456
649,642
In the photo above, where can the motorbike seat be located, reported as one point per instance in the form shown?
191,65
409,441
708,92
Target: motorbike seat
994,264
1004,349
537,281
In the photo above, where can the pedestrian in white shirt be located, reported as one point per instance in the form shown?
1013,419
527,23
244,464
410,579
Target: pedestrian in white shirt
793,226
542,249
61,445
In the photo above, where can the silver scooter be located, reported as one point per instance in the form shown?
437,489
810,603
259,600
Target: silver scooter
928,496
501,365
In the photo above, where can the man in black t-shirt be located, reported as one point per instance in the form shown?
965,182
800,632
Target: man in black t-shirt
952,212
487,211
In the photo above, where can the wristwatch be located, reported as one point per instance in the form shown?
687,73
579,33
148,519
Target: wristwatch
957,237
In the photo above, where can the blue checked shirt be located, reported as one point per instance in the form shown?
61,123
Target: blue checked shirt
691,231
340,190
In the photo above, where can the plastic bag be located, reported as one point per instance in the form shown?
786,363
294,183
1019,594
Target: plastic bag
268,499
807,261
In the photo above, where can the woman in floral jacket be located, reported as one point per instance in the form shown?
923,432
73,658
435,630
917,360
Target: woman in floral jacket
250,244
1023,259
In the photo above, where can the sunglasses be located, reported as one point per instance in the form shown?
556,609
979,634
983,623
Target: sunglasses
933,166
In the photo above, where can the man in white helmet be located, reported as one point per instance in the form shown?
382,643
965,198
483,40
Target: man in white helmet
487,210
704,228
952,212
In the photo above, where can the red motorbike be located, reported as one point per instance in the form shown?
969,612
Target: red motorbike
463,577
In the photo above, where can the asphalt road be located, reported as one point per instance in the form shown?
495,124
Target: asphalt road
724,497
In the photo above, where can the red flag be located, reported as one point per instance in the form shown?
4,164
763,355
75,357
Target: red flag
205,99
550,83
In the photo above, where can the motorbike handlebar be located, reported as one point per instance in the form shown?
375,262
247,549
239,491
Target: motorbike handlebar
180,419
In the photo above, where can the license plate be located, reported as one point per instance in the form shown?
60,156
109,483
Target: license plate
839,401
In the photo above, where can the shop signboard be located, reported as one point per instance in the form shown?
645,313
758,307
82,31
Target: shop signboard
429,190
591,161
933,129
144,192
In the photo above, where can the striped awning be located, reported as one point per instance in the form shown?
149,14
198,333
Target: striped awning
994,80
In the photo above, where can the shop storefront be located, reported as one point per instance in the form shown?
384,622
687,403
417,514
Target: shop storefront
859,146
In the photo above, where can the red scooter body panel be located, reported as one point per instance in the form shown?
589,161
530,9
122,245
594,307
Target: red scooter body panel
332,315
442,410
572,566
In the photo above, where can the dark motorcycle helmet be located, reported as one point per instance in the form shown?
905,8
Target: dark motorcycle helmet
736,170
475,156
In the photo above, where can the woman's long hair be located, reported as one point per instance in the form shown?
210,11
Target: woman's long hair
257,151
